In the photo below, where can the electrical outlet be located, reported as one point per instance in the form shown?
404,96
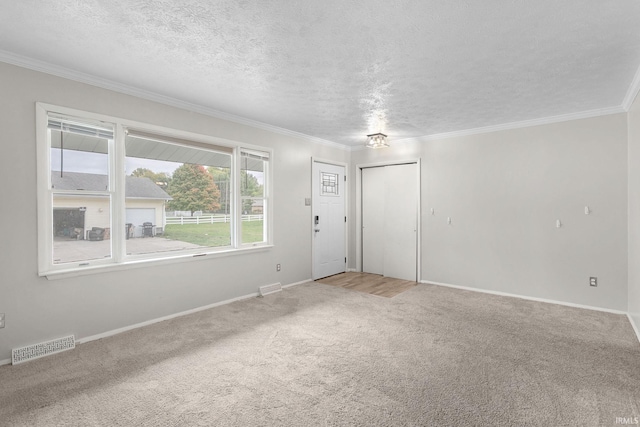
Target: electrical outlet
593,281
1,320
278,267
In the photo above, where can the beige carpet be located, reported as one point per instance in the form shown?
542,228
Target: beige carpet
321,355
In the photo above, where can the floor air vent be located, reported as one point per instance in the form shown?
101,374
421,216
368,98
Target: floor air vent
36,351
269,289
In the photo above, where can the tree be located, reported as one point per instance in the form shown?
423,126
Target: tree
222,179
162,179
192,189
249,187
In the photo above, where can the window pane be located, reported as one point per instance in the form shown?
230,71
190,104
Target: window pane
254,224
177,197
251,177
72,153
329,184
253,168
79,166
81,228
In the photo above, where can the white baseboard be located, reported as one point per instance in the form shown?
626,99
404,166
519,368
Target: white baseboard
506,294
170,316
160,319
255,294
297,283
352,270
635,327
174,315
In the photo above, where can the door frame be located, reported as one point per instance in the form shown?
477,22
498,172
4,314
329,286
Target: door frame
358,216
346,210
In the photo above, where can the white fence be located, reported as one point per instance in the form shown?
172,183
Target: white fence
208,219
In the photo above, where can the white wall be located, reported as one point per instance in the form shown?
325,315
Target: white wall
634,213
37,309
504,192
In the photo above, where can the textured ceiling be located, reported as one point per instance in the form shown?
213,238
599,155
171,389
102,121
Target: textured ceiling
338,70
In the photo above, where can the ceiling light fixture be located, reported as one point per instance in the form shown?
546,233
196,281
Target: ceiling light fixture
376,140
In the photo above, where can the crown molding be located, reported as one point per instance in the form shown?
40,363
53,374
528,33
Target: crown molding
632,92
48,68
506,126
66,73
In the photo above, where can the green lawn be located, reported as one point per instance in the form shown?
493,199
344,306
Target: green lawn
218,234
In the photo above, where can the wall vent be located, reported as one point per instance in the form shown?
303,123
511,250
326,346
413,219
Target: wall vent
36,351
269,289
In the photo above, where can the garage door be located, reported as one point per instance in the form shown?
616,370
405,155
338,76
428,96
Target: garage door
138,216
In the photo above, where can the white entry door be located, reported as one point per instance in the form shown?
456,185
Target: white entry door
328,220
390,221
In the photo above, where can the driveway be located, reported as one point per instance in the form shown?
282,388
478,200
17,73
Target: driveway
84,250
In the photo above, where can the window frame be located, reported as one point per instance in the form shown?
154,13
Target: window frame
265,195
119,259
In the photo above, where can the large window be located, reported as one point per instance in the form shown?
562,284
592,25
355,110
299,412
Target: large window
113,192
191,183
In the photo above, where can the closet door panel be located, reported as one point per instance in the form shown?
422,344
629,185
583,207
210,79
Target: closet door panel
400,221
373,212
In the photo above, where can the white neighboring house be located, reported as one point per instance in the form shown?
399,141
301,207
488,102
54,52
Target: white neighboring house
74,216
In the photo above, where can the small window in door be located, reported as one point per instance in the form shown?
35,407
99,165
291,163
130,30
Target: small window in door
329,184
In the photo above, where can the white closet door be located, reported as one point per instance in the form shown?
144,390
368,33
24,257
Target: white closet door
390,221
373,208
401,228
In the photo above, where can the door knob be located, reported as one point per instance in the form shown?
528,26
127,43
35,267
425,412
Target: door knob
316,230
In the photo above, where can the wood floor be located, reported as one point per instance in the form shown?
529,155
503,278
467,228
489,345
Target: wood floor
369,283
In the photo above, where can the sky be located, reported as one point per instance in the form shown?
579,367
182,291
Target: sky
133,163
97,163
79,161
86,162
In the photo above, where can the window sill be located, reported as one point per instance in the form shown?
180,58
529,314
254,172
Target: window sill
142,263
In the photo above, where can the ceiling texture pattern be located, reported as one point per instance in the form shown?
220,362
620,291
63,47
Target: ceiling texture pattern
339,70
